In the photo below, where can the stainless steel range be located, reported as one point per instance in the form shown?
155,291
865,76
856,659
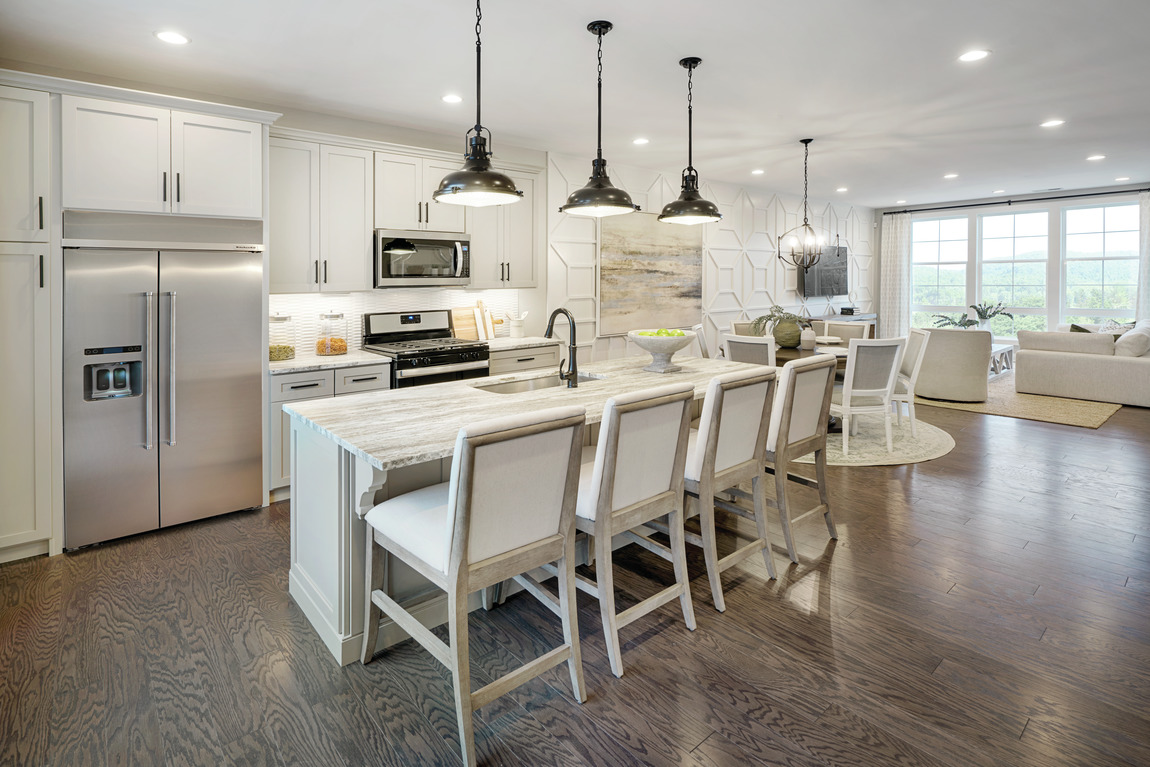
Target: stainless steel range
422,349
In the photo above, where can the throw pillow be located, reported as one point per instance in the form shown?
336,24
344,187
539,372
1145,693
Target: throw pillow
1134,343
1079,329
1112,326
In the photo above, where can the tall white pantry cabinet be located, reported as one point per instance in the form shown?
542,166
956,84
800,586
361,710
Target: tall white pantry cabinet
25,300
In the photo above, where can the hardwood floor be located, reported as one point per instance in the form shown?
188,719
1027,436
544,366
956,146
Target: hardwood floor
988,608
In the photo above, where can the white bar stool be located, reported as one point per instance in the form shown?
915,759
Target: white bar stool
508,509
636,476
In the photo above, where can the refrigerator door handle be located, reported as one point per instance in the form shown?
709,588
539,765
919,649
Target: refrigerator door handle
172,371
148,371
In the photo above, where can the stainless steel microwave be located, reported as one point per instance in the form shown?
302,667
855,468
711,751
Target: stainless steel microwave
416,259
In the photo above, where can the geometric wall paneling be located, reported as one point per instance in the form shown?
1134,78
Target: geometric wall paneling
722,238
720,278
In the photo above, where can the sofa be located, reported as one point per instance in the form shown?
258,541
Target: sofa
1090,366
955,365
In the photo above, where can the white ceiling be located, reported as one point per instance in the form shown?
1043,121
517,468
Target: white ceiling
875,83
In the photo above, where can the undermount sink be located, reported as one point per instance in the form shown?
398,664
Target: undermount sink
531,384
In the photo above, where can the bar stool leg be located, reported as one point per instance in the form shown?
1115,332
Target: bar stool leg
568,609
375,572
710,550
604,578
679,561
758,492
824,498
461,674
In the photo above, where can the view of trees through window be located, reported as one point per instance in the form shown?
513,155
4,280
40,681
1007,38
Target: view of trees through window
1046,264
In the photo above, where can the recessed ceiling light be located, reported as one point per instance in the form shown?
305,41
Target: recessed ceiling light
1122,178
641,141
452,98
900,202
841,189
975,55
757,172
169,36
949,176
999,191
1096,157
1051,123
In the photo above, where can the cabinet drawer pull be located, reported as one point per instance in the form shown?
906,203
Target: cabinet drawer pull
305,386
365,378
525,359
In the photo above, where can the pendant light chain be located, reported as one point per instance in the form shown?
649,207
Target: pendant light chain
690,120
478,65
599,126
806,153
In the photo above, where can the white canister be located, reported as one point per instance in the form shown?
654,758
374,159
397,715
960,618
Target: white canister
516,328
807,338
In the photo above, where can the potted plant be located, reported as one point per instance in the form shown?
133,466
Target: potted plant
786,327
984,313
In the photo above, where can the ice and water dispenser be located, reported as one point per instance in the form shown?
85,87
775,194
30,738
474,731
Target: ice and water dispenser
107,380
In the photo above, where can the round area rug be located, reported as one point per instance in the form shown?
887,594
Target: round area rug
868,447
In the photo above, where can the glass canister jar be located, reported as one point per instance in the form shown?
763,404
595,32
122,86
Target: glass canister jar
332,334
281,338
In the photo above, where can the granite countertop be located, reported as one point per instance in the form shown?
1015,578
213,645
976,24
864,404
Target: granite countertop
400,427
306,363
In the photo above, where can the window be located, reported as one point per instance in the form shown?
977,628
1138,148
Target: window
1101,263
1014,257
1047,263
938,279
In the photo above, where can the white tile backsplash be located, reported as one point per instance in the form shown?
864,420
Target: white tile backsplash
305,308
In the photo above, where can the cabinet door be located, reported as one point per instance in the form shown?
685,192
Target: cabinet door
25,388
439,216
115,156
488,268
24,174
293,233
398,179
345,218
519,240
218,166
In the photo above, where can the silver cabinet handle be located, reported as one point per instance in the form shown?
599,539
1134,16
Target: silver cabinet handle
148,371
172,371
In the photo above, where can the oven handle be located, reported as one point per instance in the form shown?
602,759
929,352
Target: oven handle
458,259
435,370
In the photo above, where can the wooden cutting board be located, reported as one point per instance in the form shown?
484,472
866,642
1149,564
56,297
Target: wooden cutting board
463,324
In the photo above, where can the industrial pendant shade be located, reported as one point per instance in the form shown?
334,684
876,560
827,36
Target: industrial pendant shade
399,247
690,208
804,243
476,184
599,197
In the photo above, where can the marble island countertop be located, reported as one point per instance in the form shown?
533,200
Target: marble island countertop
401,427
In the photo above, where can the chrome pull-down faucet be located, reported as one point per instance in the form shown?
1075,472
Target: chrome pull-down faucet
572,374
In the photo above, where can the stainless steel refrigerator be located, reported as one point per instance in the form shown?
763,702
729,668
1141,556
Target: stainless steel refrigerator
162,382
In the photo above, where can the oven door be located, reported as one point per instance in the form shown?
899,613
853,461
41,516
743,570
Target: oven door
413,259
402,378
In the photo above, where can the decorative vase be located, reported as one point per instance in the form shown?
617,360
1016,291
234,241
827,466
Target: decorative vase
787,334
807,339
984,324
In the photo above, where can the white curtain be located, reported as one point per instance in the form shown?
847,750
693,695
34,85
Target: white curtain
1142,306
894,292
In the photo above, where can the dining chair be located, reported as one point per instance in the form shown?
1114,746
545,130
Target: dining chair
846,330
701,340
872,368
799,426
726,451
740,328
916,343
635,475
508,508
757,349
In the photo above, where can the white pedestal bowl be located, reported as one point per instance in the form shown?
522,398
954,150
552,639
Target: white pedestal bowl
661,349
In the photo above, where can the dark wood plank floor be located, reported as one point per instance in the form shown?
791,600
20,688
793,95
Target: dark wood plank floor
988,608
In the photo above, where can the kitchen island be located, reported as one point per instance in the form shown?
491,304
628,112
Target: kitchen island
352,452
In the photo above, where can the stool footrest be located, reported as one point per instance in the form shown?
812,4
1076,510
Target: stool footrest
519,676
536,589
649,604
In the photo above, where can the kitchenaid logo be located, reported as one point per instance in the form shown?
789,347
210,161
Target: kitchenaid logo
247,247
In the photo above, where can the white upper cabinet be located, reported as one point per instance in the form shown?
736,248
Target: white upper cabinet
144,159
320,220
403,188
218,166
24,172
505,240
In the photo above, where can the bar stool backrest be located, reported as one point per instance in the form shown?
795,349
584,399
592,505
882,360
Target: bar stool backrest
735,416
803,398
514,482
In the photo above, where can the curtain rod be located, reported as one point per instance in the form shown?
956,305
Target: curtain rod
1010,201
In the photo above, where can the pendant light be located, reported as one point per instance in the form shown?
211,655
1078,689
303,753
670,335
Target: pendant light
804,243
399,247
476,184
690,208
600,197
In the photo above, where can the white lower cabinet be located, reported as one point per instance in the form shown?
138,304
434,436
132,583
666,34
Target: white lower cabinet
293,387
517,360
25,389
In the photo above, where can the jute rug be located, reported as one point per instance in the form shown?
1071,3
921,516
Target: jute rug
1003,400
868,447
